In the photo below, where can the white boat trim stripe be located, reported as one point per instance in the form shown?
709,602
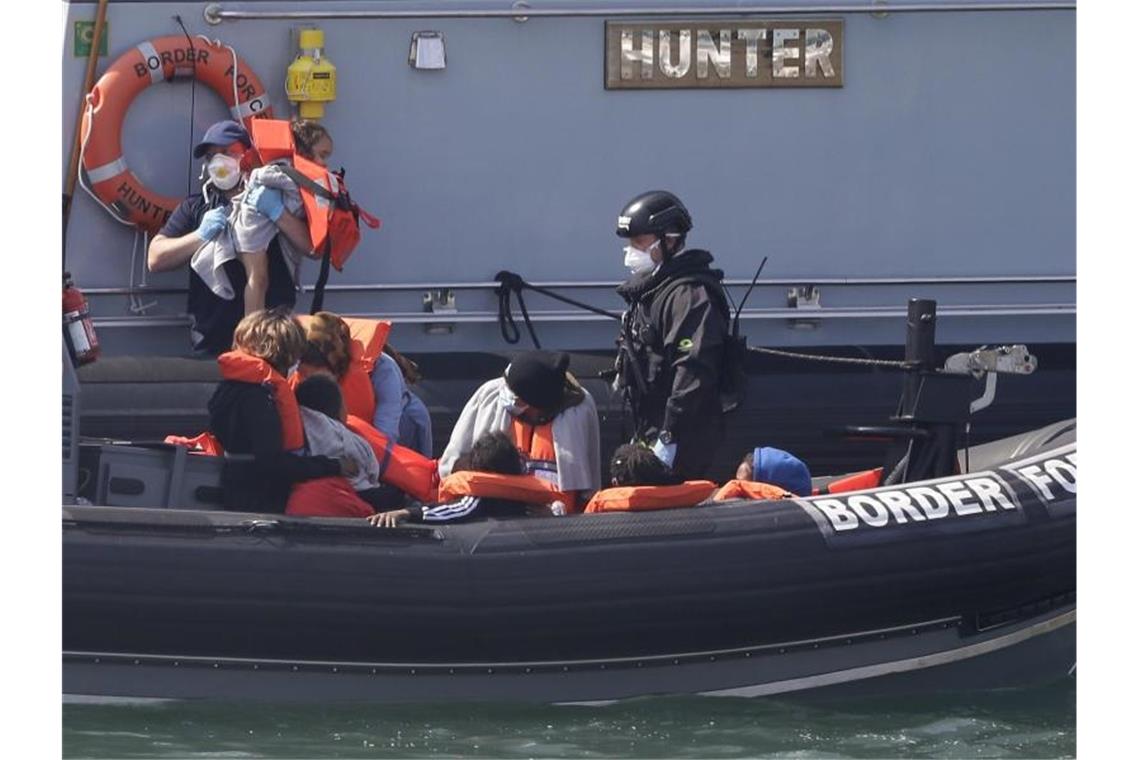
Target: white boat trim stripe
899,666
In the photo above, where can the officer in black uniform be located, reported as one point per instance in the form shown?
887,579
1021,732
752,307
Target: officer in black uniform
673,335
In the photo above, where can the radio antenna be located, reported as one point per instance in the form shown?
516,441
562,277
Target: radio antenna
740,308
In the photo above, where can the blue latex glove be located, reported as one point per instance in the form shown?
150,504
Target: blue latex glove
666,452
267,200
212,224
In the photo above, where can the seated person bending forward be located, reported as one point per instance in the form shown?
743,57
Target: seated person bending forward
492,453
382,398
358,495
551,418
254,414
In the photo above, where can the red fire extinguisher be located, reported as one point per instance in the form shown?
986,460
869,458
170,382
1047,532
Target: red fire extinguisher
78,332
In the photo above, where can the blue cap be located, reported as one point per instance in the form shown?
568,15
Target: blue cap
780,468
222,134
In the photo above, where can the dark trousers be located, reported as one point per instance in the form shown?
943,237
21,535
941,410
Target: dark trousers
697,449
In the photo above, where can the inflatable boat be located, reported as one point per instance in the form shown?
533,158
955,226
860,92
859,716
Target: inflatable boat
951,567
960,582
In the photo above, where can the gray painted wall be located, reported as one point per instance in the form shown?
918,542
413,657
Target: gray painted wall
950,151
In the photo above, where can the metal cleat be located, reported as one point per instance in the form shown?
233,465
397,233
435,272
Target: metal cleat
1004,360
991,362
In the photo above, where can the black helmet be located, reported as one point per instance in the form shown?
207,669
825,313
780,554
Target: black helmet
657,211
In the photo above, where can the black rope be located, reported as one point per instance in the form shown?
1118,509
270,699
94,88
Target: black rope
193,92
510,282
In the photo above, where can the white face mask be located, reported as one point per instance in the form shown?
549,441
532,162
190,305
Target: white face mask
510,402
224,171
637,260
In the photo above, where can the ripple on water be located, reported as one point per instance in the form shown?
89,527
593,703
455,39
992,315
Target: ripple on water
1035,723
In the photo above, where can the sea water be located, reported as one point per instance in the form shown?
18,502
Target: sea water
1034,723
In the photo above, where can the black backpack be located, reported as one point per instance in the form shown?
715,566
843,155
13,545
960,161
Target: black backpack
733,381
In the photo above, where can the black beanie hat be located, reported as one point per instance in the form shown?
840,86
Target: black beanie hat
538,378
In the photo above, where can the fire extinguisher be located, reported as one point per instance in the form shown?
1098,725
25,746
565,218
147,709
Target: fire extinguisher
78,332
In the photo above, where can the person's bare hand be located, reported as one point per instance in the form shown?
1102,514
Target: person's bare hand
388,519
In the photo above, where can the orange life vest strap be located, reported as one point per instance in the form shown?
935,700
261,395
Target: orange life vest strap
404,468
525,488
856,482
750,489
642,498
245,368
203,443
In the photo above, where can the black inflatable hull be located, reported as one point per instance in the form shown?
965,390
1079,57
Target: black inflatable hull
885,589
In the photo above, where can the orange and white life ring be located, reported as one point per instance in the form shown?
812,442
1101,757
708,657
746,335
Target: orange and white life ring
103,168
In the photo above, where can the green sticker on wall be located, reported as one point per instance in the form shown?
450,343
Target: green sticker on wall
84,34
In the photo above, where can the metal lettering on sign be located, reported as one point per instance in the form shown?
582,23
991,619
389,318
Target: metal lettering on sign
729,54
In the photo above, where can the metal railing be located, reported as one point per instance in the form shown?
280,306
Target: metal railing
216,13
574,315
379,287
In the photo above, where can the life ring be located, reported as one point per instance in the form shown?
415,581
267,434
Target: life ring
103,168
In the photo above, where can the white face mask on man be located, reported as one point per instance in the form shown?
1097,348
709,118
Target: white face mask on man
224,171
639,261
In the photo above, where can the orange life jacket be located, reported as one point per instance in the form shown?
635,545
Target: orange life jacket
642,498
525,488
204,443
331,214
368,339
536,442
404,468
242,367
856,482
750,489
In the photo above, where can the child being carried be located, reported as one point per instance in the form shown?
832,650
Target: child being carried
269,193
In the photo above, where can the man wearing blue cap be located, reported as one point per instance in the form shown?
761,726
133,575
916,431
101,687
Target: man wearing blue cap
201,217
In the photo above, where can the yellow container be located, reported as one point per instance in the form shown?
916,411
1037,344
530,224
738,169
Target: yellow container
310,80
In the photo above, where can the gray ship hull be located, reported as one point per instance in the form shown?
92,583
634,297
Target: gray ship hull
944,167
